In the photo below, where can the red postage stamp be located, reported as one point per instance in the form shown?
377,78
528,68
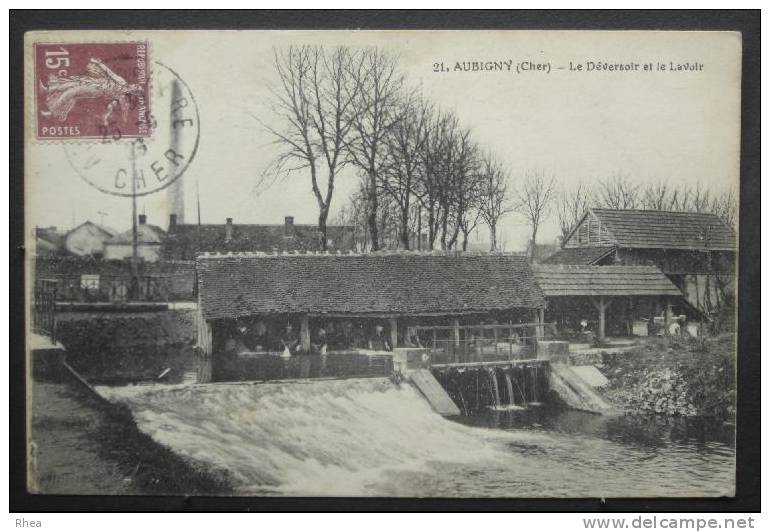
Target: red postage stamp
92,90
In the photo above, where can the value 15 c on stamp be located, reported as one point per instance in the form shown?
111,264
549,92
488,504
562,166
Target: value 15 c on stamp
91,90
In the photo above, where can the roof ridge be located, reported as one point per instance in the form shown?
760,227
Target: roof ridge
337,253
658,211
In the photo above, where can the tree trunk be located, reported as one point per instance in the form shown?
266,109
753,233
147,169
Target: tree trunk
405,228
372,218
492,237
444,228
322,216
431,228
419,227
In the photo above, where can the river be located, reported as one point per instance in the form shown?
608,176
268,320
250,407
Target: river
368,437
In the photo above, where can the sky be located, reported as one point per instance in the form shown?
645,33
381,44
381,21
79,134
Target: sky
680,127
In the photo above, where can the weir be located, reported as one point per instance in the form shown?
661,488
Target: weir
498,385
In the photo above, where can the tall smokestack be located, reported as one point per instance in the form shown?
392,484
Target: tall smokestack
175,194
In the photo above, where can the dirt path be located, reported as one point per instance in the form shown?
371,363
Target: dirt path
82,445
66,453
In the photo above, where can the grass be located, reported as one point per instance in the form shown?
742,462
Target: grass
87,445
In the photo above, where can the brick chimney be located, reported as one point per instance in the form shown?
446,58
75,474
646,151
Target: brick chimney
142,219
288,226
172,223
229,230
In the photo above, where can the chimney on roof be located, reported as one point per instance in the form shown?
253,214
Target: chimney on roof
172,223
142,219
229,230
288,226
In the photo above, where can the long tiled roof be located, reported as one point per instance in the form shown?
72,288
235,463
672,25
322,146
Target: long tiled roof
581,255
669,230
571,280
397,283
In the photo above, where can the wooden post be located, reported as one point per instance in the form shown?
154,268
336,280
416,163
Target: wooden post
203,351
304,333
541,327
668,315
456,337
393,332
601,306
601,318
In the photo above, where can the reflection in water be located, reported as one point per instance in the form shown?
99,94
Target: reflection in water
369,437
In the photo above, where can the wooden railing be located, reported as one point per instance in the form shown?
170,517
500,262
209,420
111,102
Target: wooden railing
481,343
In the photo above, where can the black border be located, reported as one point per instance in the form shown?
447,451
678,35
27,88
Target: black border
748,443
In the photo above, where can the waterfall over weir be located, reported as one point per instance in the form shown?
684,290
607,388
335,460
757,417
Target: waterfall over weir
504,386
330,437
369,437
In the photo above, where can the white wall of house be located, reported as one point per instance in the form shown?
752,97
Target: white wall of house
86,240
147,252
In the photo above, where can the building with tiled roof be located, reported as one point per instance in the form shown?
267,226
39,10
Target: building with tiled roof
48,242
650,229
185,241
149,242
576,292
87,239
695,250
391,284
582,255
350,295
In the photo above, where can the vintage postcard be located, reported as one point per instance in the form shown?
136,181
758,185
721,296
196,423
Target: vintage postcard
474,264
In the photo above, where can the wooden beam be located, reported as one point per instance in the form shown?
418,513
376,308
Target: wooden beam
602,307
541,327
304,333
486,327
393,332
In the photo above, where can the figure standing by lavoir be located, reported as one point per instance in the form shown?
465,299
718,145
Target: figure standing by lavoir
319,344
378,342
290,341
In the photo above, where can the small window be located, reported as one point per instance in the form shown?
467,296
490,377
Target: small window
89,282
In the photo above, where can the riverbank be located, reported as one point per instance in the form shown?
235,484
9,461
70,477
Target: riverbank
675,377
81,445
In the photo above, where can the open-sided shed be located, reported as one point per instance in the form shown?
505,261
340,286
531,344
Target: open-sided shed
602,285
353,293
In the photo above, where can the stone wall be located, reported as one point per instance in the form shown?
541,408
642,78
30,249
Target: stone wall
158,281
128,346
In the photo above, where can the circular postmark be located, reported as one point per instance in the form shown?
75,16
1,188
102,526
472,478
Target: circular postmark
140,166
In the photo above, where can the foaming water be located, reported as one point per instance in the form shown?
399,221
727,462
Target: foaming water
370,437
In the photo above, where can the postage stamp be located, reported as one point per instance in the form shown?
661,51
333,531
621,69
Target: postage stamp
92,90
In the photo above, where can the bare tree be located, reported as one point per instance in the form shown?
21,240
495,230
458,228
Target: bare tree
660,197
494,202
463,189
533,201
406,143
571,205
314,98
617,192
375,113
725,205
430,186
